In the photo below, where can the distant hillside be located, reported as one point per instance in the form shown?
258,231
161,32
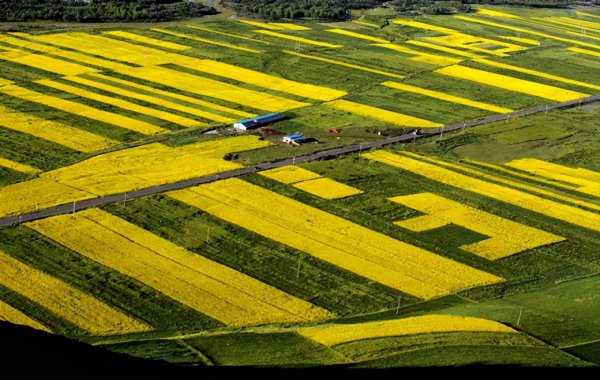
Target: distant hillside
101,10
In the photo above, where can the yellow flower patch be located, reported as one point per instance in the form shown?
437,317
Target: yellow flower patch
299,39
331,335
506,237
147,40
381,114
12,315
207,41
18,166
338,241
226,34
204,285
44,62
510,83
358,35
65,300
289,174
327,188
505,194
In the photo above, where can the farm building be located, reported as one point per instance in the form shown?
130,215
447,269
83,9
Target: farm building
258,121
295,138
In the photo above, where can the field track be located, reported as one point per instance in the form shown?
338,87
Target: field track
96,202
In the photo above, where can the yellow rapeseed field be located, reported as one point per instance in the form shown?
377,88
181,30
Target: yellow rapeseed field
489,12
511,83
147,40
514,184
327,188
4,162
124,104
420,56
478,44
445,49
226,34
578,13
73,56
536,73
82,110
328,237
587,181
381,114
289,26
506,237
173,95
331,335
422,25
207,41
154,100
299,39
518,198
44,62
65,300
527,41
340,63
263,25
289,174
122,171
358,35
525,31
109,47
447,97
270,82
365,24
594,53
209,87
204,285
422,223
12,315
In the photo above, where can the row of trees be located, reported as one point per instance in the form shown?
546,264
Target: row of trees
101,10
415,7
328,10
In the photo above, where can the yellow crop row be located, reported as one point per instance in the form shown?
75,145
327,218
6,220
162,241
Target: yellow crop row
109,48
12,315
381,114
262,25
585,51
331,335
489,12
447,97
289,26
173,95
82,110
310,182
588,181
511,83
578,13
445,49
505,194
340,63
64,300
506,237
328,237
5,82
358,35
327,188
123,171
578,22
147,40
422,223
77,57
365,24
526,31
16,165
433,59
289,174
209,87
568,26
226,34
204,285
527,41
479,44
126,105
207,41
270,82
299,39
154,100
536,73
422,25
514,184
46,63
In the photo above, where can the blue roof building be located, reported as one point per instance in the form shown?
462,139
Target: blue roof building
258,121
294,138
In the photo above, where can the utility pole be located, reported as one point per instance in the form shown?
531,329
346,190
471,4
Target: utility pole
294,160
20,217
441,133
73,209
208,235
298,268
359,149
519,319
546,111
398,307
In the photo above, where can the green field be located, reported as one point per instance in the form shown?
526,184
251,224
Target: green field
546,293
